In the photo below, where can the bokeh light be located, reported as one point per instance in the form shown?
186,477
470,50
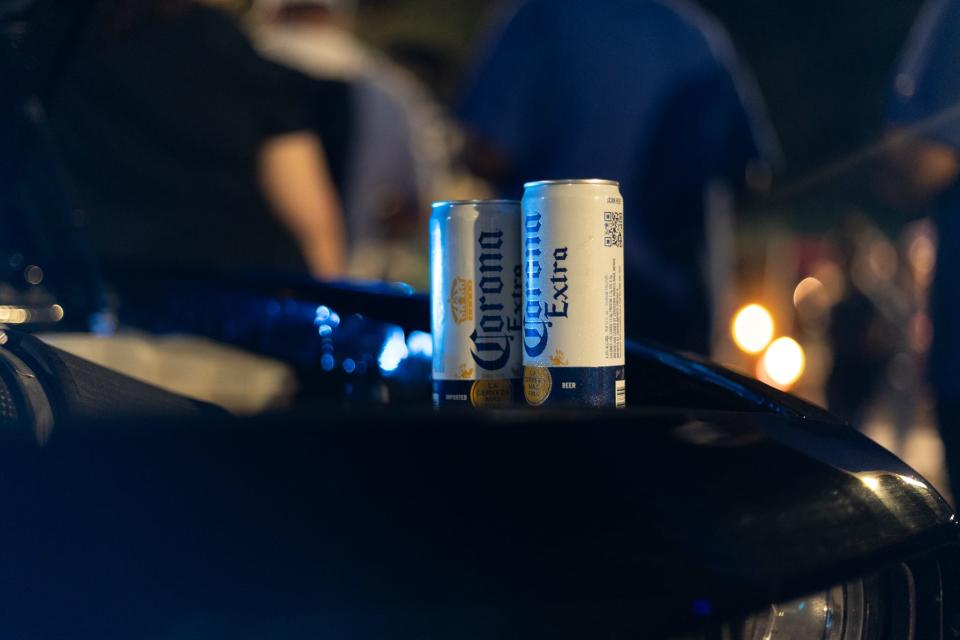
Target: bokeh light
808,289
33,274
883,260
922,254
833,279
420,344
752,328
394,350
14,315
327,362
782,363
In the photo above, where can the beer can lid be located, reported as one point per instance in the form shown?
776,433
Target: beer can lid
447,203
594,181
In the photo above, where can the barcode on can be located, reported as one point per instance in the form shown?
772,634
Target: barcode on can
613,228
621,388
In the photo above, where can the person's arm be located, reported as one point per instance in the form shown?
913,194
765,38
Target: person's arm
915,170
920,153
297,184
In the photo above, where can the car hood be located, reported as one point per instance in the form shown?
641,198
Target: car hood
420,523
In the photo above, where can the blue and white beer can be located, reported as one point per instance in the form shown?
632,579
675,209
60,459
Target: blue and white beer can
475,296
573,326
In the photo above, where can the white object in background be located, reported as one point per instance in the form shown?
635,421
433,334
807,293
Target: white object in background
199,368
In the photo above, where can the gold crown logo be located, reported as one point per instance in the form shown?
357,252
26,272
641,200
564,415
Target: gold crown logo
461,300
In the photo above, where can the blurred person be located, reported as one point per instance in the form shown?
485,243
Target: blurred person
865,328
646,92
923,173
399,158
173,142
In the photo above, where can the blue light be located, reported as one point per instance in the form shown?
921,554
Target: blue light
701,607
404,288
327,362
349,365
326,321
394,350
103,323
420,344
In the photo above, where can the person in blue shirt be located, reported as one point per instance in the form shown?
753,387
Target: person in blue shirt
645,92
923,171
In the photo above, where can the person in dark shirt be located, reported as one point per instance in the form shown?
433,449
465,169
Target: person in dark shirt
181,146
923,170
648,93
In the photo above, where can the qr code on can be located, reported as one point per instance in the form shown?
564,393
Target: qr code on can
613,228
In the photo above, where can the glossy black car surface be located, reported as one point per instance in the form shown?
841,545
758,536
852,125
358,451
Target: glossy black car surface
711,497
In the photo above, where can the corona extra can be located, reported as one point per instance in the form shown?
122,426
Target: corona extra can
475,295
573,331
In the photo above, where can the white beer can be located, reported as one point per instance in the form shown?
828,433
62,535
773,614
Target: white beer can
475,297
573,326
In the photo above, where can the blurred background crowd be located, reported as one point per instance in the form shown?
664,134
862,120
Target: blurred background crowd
789,169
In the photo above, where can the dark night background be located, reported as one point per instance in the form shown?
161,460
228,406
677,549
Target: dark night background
824,69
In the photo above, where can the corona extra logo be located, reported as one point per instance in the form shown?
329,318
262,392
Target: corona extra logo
541,307
558,359
464,373
461,300
535,327
496,329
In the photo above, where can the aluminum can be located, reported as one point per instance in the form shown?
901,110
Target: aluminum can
573,325
475,297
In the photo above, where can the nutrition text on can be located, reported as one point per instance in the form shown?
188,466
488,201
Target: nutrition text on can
475,297
573,327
